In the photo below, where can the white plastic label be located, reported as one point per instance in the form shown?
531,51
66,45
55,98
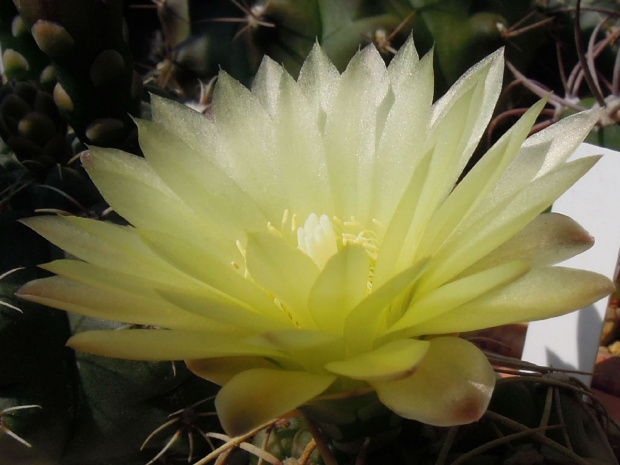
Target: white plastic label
571,341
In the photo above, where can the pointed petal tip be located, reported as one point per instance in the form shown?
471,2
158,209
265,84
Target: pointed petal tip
316,50
31,290
91,157
77,342
452,385
268,62
87,159
256,396
157,100
496,55
24,291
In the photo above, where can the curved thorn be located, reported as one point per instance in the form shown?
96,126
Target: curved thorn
582,57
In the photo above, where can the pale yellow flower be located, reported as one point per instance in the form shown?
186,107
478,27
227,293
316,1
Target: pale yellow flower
312,240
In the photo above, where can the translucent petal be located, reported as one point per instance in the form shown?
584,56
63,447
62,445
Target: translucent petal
400,148
487,73
452,385
188,125
551,238
161,344
539,155
457,122
266,84
284,270
245,145
300,154
218,146
318,80
292,339
402,225
272,394
210,163
460,117
115,305
134,191
309,349
479,181
392,361
105,278
196,261
220,370
202,185
503,222
368,319
459,292
106,245
350,133
542,293
402,66
226,311
548,149
339,288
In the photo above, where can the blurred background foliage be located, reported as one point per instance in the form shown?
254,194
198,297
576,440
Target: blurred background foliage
76,73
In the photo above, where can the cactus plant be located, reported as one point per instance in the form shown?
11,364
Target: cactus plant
97,87
21,58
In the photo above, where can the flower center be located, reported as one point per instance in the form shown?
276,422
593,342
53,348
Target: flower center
317,239
320,237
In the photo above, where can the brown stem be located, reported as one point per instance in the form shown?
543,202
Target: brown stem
582,57
321,444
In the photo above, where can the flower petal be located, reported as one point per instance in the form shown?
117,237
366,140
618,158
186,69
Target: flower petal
300,151
452,385
502,222
106,245
459,292
161,344
399,149
402,225
350,133
403,65
104,278
226,311
541,293
292,339
318,80
394,360
339,288
486,75
188,125
551,238
284,270
458,121
193,259
310,349
540,154
470,192
266,84
256,396
200,184
245,142
220,370
135,192
368,319
112,304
